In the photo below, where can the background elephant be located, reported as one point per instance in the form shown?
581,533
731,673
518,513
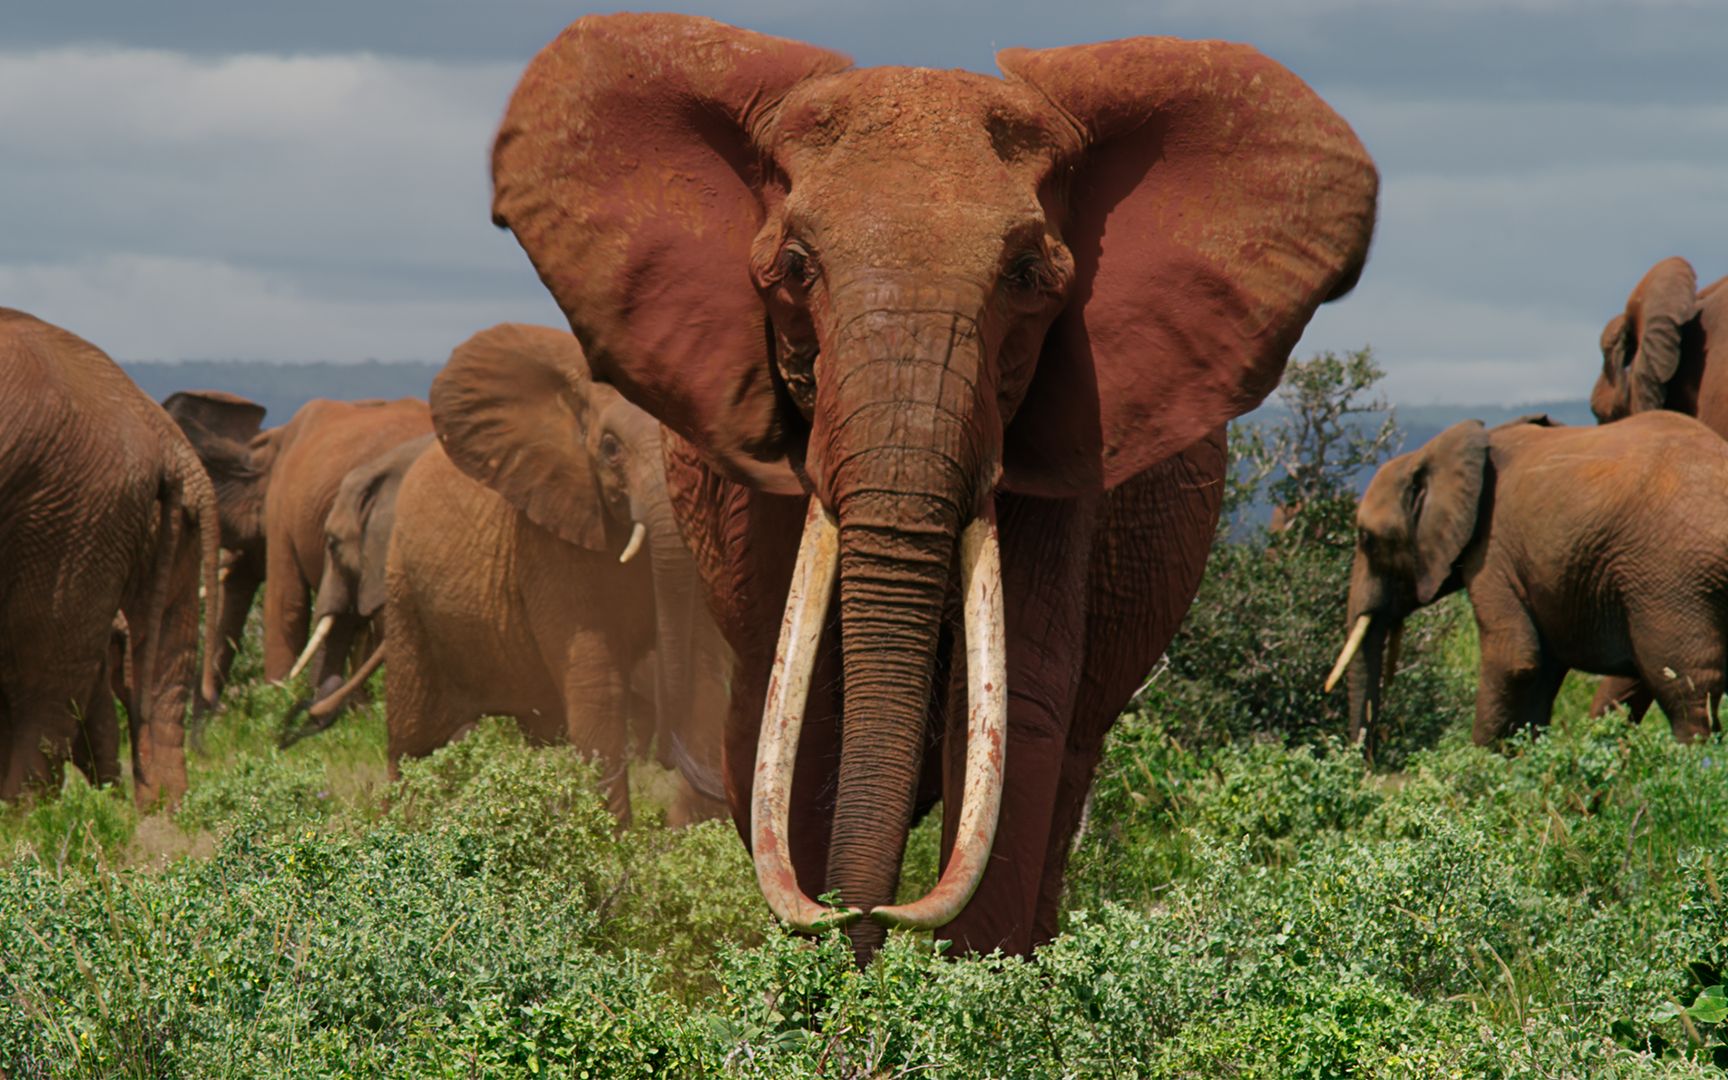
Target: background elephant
1667,350
514,585
975,339
1598,549
109,522
275,489
350,596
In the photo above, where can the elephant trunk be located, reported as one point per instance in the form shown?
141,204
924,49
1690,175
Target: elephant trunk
1363,677
677,607
906,444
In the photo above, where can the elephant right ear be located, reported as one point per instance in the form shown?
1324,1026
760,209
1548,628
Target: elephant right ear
1444,499
1643,342
626,168
225,415
511,410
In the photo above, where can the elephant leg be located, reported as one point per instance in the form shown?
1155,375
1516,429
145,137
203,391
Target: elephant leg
1518,683
1690,689
1146,566
238,592
596,715
96,744
1616,691
419,709
1045,547
42,706
287,610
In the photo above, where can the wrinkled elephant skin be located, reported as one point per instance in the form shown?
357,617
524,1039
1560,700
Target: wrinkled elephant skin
1597,549
924,306
110,526
535,564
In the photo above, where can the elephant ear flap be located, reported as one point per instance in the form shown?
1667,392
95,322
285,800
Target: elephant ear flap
1445,497
225,415
1214,203
1662,303
511,410
627,168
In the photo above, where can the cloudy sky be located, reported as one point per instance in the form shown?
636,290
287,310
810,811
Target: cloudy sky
295,181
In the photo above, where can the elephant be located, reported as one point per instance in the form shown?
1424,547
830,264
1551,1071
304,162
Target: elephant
1668,349
513,585
351,590
957,349
1599,549
110,526
275,489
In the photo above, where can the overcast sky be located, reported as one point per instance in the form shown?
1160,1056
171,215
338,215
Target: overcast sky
307,180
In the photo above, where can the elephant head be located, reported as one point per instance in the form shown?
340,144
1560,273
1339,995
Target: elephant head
897,291
222,428
1414,523
1642,345
516,409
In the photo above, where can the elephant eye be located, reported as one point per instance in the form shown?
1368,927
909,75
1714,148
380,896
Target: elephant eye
796,264
610,448
1028,272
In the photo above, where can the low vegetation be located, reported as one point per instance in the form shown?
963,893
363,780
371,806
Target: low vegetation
1246,899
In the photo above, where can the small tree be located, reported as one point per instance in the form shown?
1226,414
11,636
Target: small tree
1306,463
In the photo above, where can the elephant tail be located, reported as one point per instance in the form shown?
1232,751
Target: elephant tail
170,504
199,494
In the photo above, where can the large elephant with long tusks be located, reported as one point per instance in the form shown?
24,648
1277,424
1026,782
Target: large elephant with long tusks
947,357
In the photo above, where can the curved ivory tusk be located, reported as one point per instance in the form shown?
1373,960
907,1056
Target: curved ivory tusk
630,549
318,635
986,736
783,719
1357,633
1392,650
223,571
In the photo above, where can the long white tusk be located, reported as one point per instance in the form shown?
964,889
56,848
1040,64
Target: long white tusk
986,737
1357,633
1393,648
635,544
782,721
321,632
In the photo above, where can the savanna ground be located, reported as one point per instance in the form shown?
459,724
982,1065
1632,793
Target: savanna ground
1247,899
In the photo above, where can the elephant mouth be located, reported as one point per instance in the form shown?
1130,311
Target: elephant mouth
807,606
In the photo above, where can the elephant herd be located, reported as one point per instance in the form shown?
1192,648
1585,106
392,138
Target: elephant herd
882,462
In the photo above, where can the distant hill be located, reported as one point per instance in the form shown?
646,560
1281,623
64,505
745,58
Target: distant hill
283,388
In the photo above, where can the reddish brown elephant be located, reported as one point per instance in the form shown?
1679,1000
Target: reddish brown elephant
514,585
974,340
275,489
1598,549
1667,350
106,511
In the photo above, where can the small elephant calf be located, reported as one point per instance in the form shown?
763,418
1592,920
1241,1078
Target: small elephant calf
1603,549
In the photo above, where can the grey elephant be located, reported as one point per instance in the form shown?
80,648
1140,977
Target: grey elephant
350,597
1597,549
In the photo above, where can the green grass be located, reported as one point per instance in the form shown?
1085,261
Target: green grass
1250,908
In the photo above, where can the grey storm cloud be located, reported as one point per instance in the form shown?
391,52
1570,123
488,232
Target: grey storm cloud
204,178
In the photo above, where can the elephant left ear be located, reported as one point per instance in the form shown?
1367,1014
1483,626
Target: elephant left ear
511,410
1215,203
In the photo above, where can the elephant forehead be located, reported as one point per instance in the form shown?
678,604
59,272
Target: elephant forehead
918,117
